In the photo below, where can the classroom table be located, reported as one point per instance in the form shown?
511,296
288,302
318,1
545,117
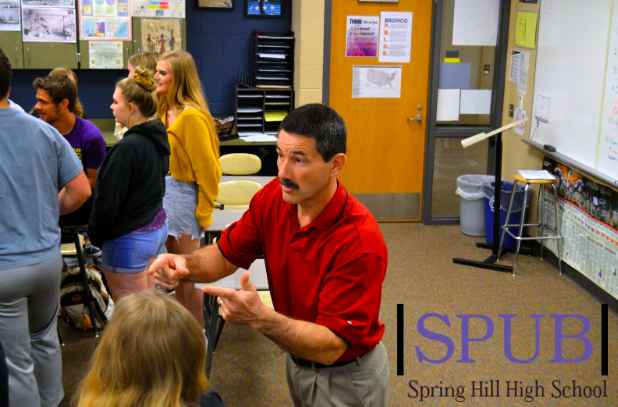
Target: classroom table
264,149
107,127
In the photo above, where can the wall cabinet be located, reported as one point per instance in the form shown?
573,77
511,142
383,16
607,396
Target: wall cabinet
12,47
50,55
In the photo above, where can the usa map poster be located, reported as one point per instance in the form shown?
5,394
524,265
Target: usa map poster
378,81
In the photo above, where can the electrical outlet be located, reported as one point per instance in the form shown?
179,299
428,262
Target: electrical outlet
511,109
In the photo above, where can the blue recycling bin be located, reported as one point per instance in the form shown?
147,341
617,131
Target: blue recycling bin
516,211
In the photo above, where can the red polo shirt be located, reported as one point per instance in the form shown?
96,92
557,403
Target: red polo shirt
329,272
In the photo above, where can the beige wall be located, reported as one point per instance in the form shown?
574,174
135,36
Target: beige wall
308,27
515,154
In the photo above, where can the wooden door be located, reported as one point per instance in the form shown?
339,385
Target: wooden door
385,151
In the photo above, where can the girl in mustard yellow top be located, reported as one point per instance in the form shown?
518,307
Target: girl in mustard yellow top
193,183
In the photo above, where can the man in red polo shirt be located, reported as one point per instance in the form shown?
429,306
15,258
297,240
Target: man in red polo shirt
325,259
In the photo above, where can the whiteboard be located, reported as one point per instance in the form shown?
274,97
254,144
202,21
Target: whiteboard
570,71
607,159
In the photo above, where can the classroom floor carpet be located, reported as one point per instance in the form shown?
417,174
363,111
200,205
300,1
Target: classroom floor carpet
248,369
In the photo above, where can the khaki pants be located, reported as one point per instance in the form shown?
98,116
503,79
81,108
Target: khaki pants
362,383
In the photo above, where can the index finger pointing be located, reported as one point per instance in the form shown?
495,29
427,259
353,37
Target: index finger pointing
219,291
159,263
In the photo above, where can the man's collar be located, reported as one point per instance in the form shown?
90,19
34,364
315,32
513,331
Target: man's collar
72,118
333,211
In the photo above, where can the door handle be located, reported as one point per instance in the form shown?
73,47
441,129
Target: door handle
28,53
418,118
16,55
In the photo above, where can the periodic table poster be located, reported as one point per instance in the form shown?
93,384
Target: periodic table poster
588,217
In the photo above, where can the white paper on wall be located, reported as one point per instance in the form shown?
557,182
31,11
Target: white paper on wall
524,65
395,37
475,22
475,101
448,105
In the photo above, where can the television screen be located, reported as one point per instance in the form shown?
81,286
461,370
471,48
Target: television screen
264,8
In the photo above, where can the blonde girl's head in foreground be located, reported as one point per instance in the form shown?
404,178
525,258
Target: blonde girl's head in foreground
134,98
152,354
145,59
178,84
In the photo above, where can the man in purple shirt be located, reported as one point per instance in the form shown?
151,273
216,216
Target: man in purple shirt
56,96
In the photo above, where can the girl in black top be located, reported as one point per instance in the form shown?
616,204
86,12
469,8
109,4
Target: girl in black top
128,221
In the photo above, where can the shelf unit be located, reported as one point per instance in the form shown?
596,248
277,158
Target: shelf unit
273,60
261,110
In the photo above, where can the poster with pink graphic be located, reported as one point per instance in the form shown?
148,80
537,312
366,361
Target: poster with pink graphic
105,20
362,36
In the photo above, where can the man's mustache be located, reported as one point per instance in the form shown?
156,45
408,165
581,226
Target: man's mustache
288,183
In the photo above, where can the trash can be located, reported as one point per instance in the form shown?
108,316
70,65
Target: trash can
472,203
505,198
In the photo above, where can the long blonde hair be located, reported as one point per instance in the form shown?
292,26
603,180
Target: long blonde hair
78,110
185,89
152,354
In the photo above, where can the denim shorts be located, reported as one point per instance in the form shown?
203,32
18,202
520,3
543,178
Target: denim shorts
130,253
180,202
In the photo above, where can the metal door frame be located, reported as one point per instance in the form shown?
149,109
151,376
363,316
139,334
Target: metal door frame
433,131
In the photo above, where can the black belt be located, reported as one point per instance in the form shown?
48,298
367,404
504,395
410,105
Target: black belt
305,363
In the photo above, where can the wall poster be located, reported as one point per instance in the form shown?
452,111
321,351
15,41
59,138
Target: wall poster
158,8
48,25
362,36
48,3
105,20
161,35
395,36
10,16
588,218
378,81
105,55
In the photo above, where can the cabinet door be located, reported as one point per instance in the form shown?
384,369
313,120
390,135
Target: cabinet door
137,35
12,46
49,55
84,48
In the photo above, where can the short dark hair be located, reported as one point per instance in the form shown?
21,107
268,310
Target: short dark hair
5,75
58,87
321,123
